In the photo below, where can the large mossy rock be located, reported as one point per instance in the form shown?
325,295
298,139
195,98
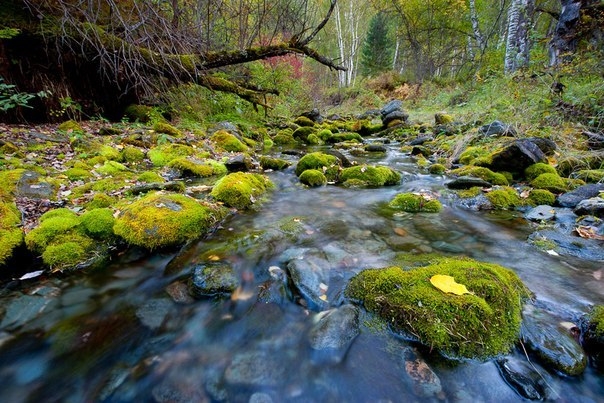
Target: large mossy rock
480,324
329,164
159,220
241,189
369,176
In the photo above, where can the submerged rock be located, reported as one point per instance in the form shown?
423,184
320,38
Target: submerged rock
256,368
554,347
333,332
541,213
568,244
309,275
215,279
523,378
425,382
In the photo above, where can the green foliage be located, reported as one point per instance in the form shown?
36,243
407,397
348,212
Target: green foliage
414,203
313,178
378,49
241,189
70,126
8,32
142,114
369,176
481,325
11,98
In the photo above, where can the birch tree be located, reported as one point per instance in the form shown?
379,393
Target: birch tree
349,17
517,48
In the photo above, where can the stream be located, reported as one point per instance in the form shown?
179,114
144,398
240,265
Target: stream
132,332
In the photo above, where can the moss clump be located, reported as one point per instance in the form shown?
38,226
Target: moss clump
313,178
596,320
59,212
482,173
64,255
304,121
275,164
302,133
11,236
100,200
109,153
77,174
159,220
40,237
194,167
538,197
442,118
437,169
469,193
482,324
414,203
132,154
340,137
284,137
228,141
329,164
504,198
70,126
590,175
537,169
370,176
150,177
140,113
324,134
166,128
162,155
551,182
98,223
314,140
112,168
472,153
240,189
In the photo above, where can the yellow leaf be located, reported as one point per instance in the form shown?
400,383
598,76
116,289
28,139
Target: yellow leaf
448,284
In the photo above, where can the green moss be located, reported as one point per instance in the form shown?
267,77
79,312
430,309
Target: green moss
442,118
8,182
482,173
313,178
59,212
112,168
544,244
63,255
482,324
241,189
469,193
267,143
132,154
313,139
98,223
596,319
302,133
96,160
11,235
324,134
551,182
437,169
318,160
590,175
100,200
193,167
304,121
340,137
159,220
40,237
110,153
150,177
228,141
538,197
537,169
275,164
166,128
415,203
76,174
504,198
472,153
371,176
162,155
140,113
70,126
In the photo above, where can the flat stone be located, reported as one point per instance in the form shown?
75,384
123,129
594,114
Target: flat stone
467,182
29,185
523,378
376,148
541,213
593,206
572,198
571,245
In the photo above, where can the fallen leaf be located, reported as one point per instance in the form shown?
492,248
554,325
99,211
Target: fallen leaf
447,284
323,297
588,232
400,231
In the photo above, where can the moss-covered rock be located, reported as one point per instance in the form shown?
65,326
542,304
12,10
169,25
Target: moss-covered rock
370,176
150,177
537,169
50,227
313,178
284,137
437,169
329,164
415,203
471,154
275,164
442,118
481,324
65,254
100,200
590,175
228,142
504,198
132,154
77,174
11,235
166,128
112,168
70,126
486,174
341,137
159,220
550,181
98,223
140,113
304,121
302,133
538,197
241,189
188,166
162,155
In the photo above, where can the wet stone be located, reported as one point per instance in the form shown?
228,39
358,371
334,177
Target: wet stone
522,378
593,206
376,148
426,383
26,308
516,156
574,197
541,213
333,333
467,182
307,275
215,279
153,313
554,347
392,106
179,292
255,368
571,245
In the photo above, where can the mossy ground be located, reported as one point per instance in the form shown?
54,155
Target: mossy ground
11,235
596,319
480,325
240,189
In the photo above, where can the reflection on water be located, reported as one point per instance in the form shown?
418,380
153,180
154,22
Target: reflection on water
133,333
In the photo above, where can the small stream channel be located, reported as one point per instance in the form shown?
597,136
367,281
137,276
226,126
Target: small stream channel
131,332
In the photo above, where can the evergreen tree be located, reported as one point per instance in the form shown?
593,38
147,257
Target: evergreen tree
377,52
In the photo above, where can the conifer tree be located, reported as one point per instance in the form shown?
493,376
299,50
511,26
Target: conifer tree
377,52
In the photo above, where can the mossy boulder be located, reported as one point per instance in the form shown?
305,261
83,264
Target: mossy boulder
100,200
304,121
473,153
486,174
11,235
150,177
442,118
550,181
166,128
370,176
162,155
228,141
77,174
341,137
284,137
313,178
537,169
437,169
415,203
159,220
302,133
241,189
275,164
188,166
70,126
504,198
98,223
132,154
112,168
329,164
480,324
539,197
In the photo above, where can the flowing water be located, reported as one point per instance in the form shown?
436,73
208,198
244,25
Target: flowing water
118,334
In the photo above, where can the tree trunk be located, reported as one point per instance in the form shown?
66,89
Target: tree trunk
517,49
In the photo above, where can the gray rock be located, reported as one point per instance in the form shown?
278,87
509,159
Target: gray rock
255,368
314,115
308,275
395,115
239,163
571,199
523,378
333,333
419,140
541,213
275,290
214,279
467,182
571,245
26,308
593,206
517,156
497,128
394,105
153,312
376,148
554,347
425,382
546,145
224,125
29,185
